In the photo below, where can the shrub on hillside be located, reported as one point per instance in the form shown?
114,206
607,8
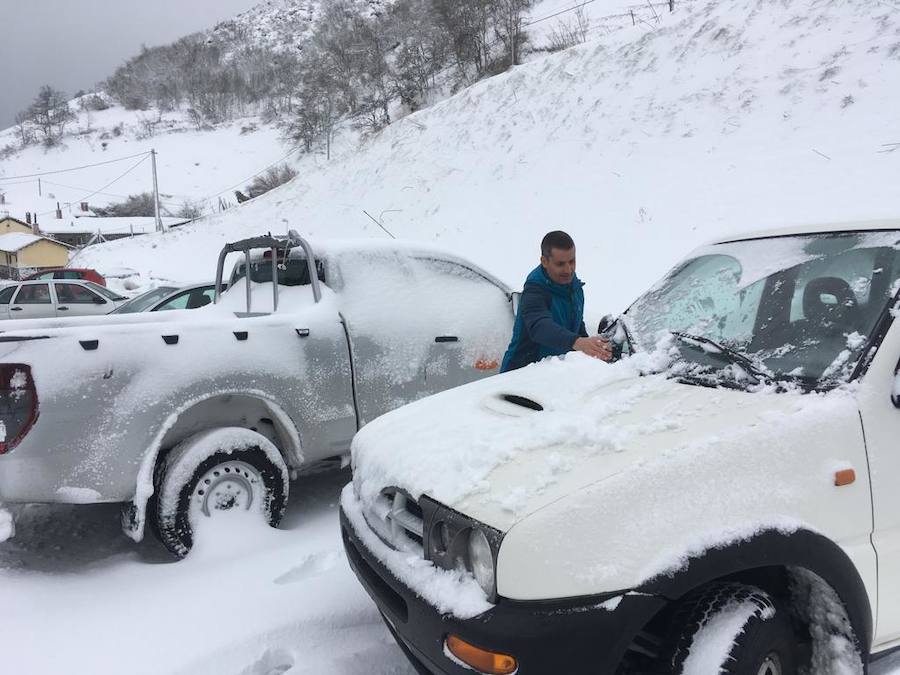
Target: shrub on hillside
133,206
275,176
94,102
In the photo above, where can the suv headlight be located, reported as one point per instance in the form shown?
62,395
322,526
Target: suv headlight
454,541
481,561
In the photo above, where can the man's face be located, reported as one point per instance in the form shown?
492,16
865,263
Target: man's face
560,265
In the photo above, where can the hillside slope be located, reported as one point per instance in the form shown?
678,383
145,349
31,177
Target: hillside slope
731,115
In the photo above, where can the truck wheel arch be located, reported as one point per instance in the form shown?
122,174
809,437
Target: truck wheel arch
186,420
774,550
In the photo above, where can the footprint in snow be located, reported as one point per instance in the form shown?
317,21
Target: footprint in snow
272,662
311,566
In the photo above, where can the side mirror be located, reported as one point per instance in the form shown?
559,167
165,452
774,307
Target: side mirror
514,298
895,388
606,323
98,300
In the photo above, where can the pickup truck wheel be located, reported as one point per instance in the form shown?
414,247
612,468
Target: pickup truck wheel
759,632
214,472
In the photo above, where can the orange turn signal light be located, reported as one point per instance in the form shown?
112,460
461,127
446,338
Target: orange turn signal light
480,659
845,477
484,364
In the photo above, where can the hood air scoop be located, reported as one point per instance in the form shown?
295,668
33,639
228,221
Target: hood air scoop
511,405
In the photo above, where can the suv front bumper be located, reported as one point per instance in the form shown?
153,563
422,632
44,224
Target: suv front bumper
546,637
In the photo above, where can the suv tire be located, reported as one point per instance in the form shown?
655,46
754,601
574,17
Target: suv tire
764,642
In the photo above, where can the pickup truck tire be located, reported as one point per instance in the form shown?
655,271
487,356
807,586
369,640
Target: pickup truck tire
212,472
763,645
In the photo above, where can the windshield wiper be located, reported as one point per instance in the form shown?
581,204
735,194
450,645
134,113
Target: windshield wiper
729,356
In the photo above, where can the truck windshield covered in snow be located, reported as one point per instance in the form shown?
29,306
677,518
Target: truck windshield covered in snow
788,308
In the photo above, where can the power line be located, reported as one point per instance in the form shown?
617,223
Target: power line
114,180
105,194
228,189
563,11
76,168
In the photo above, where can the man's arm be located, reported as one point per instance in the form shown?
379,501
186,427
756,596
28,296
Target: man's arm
539,323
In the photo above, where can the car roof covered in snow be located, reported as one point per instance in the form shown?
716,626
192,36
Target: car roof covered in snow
331,248
821,228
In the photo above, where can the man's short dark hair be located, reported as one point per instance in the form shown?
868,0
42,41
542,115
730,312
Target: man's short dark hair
558,240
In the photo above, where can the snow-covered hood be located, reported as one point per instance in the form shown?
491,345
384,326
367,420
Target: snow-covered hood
498,461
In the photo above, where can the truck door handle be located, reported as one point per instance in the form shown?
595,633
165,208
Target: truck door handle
15,309
446,338
302,332
63,309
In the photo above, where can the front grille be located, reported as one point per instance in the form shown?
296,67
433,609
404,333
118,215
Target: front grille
397,520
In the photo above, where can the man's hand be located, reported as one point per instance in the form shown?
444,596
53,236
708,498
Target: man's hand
597,347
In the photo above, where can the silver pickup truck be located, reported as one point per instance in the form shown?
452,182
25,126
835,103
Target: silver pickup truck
182,415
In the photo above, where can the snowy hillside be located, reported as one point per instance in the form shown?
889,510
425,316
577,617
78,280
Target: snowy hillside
193,164
729,116
282,25
201,162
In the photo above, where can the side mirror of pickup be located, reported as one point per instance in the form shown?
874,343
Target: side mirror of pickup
98,300
515,297
895,388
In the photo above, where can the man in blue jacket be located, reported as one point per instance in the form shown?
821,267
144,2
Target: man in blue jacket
550,319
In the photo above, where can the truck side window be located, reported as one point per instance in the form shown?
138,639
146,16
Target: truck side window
6,295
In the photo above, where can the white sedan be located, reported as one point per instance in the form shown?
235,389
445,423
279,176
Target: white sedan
47,299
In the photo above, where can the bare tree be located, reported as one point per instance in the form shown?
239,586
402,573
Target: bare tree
49,112
24,129
508,20
570,32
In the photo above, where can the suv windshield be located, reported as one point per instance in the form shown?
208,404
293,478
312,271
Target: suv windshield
798,307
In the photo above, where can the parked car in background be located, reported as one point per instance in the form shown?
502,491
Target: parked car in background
165,298
71,273
724,500
47,299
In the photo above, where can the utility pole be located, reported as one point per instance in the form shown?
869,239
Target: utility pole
40,194
159,225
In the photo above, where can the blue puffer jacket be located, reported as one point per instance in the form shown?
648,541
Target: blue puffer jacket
549,320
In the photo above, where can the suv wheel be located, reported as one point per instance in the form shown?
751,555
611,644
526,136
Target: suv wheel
212,473
735,628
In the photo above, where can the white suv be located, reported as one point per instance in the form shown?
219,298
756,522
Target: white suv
724,499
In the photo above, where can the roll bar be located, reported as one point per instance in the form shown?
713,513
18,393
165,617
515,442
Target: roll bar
274,243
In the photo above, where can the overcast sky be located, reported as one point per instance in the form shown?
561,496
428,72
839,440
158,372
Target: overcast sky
73,44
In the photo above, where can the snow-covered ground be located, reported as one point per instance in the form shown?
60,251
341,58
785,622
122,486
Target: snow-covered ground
81,599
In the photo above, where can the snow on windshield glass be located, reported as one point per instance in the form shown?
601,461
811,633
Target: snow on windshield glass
798,307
